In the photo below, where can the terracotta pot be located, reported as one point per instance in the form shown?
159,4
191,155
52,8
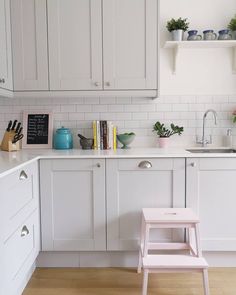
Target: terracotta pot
163,142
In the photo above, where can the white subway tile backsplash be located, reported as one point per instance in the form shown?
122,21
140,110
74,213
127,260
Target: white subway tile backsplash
68,108
99,108
131,114
86,108
76,116
107,100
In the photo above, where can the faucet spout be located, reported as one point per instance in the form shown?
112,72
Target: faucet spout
204,141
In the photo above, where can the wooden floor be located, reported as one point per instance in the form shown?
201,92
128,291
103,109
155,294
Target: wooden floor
114,281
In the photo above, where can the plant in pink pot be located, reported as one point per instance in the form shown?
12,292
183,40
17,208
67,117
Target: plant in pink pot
164,133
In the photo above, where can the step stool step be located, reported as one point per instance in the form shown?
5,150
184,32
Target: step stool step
174,261
171,215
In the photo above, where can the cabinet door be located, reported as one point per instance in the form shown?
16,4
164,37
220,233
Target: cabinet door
130,44
131,187
29,41
211,193
75,44
5,46
73,205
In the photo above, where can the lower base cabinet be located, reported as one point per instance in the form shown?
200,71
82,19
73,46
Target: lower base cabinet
20,252
95,204
211,193
73,204
133,184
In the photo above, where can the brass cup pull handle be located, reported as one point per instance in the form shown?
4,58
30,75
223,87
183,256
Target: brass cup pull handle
145,165
23,175
24,231
98,165
193,164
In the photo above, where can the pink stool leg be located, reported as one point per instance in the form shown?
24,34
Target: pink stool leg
141,245
206,282
145,282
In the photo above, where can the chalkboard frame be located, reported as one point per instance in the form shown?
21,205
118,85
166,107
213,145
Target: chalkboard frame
26,115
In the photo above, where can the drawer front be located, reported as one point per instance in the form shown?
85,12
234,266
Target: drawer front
20,196
21,248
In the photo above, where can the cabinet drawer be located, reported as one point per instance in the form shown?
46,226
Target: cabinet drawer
19,196
145,164
21,247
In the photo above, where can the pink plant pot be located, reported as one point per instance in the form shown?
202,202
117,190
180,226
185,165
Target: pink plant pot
163,142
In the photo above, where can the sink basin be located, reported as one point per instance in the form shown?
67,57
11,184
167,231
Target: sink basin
206,150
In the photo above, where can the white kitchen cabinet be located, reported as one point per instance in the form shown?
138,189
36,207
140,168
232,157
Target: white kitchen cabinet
130,44
116,49
75,44
19,227
210,189
29,45
73,204
23,47
5,46
133,184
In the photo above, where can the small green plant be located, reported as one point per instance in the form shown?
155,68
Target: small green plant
177,24
234,116
163,131
232,24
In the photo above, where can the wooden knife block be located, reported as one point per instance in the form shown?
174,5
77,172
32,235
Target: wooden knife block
7,144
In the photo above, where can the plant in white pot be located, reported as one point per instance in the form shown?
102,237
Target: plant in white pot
164,133
177,27
232,27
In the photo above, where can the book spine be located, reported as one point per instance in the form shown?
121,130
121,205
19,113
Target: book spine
110,134
98,135
105,135
101,135
95,135
114,138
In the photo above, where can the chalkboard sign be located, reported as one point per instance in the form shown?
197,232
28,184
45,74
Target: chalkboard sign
37,129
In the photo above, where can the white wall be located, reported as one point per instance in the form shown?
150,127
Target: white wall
199,71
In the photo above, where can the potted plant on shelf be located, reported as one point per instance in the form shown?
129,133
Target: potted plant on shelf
164,133
232,27
177,27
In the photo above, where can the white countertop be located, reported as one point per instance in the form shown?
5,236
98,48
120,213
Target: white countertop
9,161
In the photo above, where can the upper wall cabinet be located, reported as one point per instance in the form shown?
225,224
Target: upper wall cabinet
75,44
102,45
29,44
130,44
78,47
23,48
5,46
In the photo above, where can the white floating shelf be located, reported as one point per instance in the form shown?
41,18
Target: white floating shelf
177,45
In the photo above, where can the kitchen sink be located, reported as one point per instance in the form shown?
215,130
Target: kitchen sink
212,151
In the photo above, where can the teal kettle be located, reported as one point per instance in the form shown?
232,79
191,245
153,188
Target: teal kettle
63,139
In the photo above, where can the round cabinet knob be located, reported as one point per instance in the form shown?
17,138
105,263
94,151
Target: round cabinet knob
193,164
96,84
98,165
2,80
145,165
108,84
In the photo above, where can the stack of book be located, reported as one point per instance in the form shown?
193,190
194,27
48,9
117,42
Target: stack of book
104,135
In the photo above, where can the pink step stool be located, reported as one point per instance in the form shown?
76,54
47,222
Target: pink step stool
171,218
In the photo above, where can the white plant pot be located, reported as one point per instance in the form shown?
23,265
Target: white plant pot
233,33
177,35
163,142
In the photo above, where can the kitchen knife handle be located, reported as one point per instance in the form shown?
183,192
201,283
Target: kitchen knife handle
14,125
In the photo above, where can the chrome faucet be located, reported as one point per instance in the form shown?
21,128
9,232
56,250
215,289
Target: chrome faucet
204,141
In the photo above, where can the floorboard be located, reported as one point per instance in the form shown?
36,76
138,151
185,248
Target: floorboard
114,281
